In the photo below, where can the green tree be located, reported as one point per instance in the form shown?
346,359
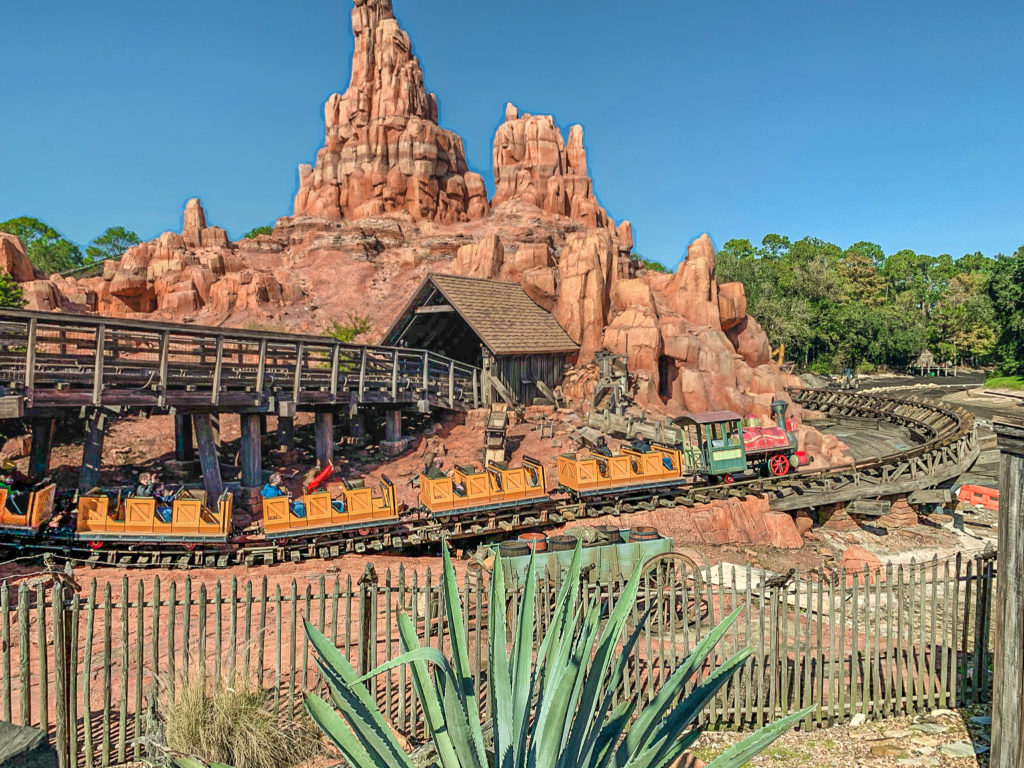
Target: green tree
47,249
111,244
257,231
11,295
1006,290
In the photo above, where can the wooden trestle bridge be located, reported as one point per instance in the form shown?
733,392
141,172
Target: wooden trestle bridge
52,362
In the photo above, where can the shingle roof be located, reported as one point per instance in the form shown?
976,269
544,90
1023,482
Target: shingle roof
505,318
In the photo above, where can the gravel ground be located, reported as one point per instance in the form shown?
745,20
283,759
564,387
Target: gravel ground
943,738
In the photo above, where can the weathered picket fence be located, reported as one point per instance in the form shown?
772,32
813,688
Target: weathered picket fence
91,665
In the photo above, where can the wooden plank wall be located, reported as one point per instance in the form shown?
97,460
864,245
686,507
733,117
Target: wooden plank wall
519,372
86,665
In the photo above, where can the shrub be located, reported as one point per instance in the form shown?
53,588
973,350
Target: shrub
867,368
570,688
353,327
257,231
234,722
11,294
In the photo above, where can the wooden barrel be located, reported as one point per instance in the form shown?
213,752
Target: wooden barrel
611,533
561,543
513,548
644,533
538,542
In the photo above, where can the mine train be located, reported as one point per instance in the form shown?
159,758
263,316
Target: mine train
714,449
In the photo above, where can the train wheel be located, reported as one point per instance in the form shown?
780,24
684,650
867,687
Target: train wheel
728,479
778,465
189,546
94,545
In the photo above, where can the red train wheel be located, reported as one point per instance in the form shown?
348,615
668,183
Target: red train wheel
778,465
728,479
188,546
94,545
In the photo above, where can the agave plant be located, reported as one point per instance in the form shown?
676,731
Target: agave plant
553,710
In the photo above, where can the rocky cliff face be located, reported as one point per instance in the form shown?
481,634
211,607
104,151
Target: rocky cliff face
384,151
390,200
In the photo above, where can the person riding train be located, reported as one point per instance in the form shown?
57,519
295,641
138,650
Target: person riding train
274,488
151,487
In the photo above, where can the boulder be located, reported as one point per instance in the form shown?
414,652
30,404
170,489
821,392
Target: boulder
13,259
482,259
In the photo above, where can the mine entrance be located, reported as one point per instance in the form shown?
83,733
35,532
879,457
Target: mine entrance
487,323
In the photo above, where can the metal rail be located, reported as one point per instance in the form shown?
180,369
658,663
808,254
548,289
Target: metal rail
50,361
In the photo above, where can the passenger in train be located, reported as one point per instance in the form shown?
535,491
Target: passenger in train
602,448
145,487
642,445
164,496
274,488
16,486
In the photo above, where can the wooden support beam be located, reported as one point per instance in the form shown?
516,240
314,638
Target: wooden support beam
209,460
286,432
184,448
1008,678
325,438
434,309
218,368
393,425
42,442
92,454
97,371
250,455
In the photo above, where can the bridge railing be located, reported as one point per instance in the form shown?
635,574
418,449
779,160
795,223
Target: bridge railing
57,359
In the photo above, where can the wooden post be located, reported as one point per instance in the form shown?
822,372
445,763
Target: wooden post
97,370
393,425
1007,702
325,437
42,442
184,448
286,432
92,455
250,458
209,461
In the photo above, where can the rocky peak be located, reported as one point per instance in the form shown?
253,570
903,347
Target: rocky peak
383,150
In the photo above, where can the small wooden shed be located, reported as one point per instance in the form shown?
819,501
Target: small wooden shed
491,324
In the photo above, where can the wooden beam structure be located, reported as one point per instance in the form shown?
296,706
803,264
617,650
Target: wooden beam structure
184,443
92,454
209,460
250,453
434,309
1008,679
42,443
325,437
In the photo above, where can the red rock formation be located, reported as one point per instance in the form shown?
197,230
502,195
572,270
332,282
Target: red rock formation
14,261
384,151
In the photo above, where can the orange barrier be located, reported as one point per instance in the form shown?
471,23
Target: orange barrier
136,518
594,472
359,507
497,484
37,511
979,496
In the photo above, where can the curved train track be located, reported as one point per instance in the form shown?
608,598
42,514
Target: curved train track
948,445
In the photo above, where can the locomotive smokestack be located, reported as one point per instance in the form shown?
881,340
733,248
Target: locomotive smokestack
779,412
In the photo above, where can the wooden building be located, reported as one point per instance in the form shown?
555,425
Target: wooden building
488,323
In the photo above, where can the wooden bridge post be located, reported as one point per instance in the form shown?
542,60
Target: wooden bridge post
184,448
286,432
42,442
393,425
92,454
1008,679
209,461
251,454
325,437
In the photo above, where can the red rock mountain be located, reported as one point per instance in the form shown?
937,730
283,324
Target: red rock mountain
390,199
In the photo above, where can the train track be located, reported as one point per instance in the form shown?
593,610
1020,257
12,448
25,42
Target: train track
948,446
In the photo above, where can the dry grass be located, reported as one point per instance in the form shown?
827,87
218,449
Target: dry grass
232,721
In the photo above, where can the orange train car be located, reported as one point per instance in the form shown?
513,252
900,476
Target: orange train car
26,514
358,508
496,487
135,518
594,473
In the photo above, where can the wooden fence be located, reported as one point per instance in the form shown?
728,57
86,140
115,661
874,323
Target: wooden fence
89,665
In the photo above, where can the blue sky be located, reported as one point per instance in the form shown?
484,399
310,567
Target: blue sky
900,122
